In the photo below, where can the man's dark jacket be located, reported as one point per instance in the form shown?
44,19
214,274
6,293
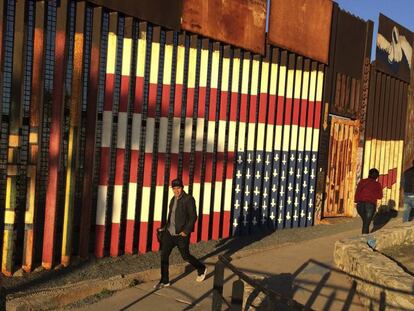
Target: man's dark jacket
185,214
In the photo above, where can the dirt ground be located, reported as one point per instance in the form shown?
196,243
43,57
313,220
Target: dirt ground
403,255
126,264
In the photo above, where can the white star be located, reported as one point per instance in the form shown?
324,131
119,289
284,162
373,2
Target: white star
258,175
295,216
296,202
305,171
249,158
247,192
267,160
265,193
245,221
272,216
235,224
313,158
246,206
310,203
275,173
274,188
297,188
238,175
291,171
302,214
284,159
254,221
237,188
239,160
280,218
281,192
303,197
289,200
312,174
300,158
236,205
305,184
288,216
306,158
283,176
266,178
259,158
309,216
290,188
292,157
311,190
276,157
256,191
298,174
248,174
273,203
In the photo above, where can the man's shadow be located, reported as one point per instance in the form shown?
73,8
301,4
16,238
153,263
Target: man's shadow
384,214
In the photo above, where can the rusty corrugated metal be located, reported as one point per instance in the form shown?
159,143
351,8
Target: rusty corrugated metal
409,127
302,26
163,13
238,22
384,139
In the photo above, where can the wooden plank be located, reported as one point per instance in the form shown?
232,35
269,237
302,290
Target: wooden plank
308,30
241,23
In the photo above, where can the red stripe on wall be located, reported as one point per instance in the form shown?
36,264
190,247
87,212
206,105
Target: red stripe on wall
99,240
303,109
190,103
152,100
155,245
114,250
104,172
109,91
143,234
262,108
119,172
139,94
123,104
216,225
311,111
129,236
204,230
296,109
133,166
226,224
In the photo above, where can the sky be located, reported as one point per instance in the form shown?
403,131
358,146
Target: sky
401,11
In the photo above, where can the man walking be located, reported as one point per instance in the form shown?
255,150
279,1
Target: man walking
408,186
368,191
180,223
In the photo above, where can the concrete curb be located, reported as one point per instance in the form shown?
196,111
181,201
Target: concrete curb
58,297
383,277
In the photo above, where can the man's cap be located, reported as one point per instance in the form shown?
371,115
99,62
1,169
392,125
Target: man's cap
177,183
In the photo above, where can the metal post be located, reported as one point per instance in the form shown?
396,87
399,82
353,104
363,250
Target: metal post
218,286
237,296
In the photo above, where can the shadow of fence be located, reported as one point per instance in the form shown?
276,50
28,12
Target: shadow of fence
278,292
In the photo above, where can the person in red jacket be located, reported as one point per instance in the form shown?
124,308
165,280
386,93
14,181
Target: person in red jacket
368,191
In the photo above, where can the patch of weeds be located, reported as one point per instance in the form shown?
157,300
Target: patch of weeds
105,293
134,283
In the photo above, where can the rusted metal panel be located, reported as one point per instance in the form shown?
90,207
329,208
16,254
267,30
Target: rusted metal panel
302,26
340,181
161,12
394,49
350,44
238,22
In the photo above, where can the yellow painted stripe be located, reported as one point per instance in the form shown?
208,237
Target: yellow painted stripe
155,53
215,69
282,81
126,57
33,138
69,193
245,78
320,86
255,77
312,90
235,77
192,64
141,50
180,64
14,140
290,85
225,75
111,54
305,85
167,64
273,78
264,78
8,194
203,68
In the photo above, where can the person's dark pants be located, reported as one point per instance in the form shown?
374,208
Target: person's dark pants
366,211
183,243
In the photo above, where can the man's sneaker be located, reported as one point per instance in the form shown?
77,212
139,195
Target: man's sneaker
161,285
201,277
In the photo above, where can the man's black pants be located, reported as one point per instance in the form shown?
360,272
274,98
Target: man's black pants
167,244
366,211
